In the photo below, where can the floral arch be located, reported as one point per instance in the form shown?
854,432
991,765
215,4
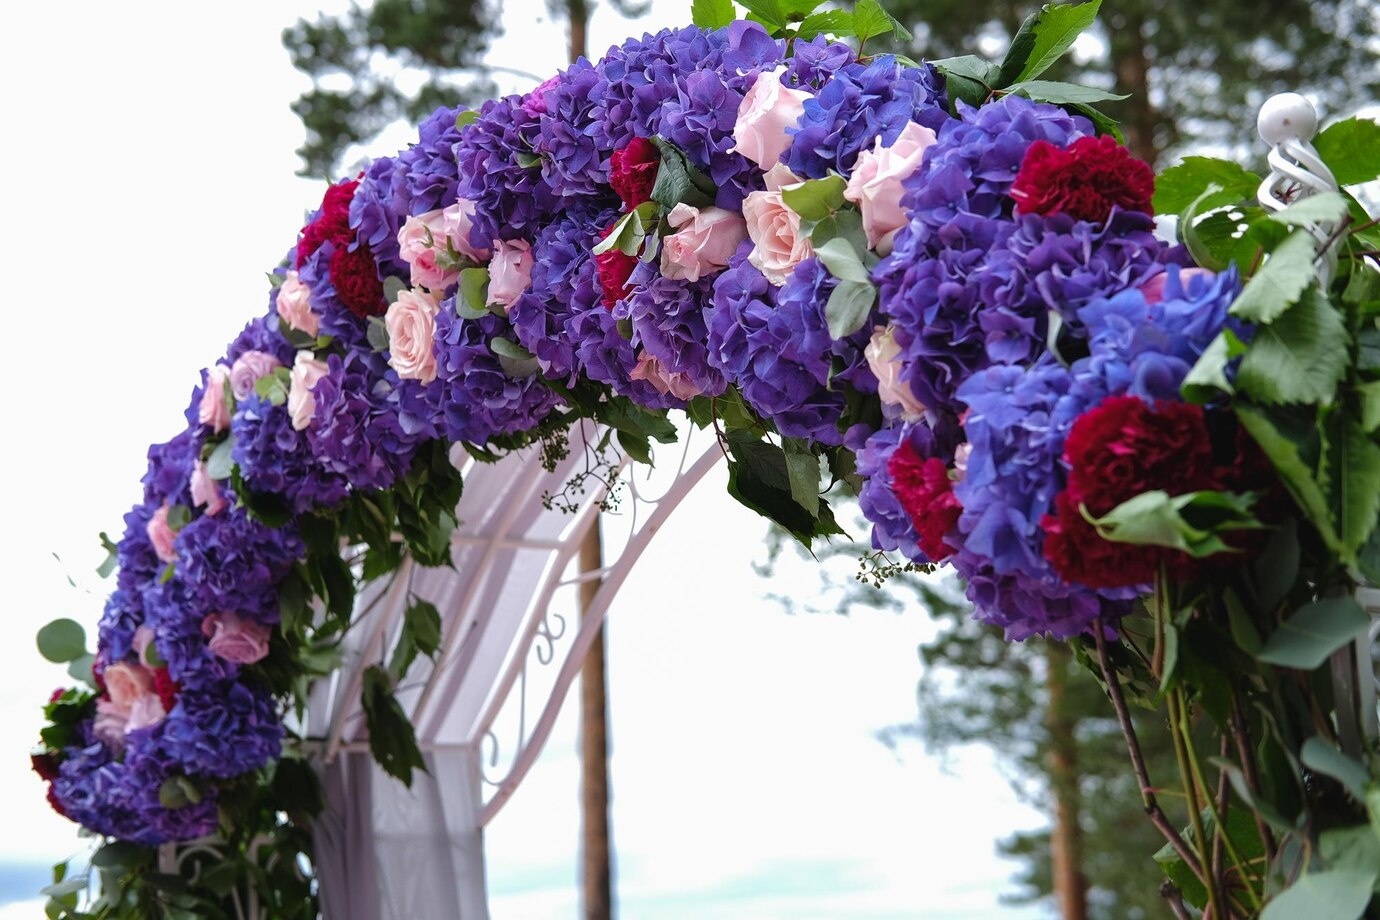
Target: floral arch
935,285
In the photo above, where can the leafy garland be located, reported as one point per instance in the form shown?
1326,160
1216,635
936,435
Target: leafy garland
935,282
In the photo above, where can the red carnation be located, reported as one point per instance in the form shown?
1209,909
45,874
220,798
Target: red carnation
57,695
166,688
632,171
54,803
926,492
1116,451
45,765
332,223
356,279
1085,181
614,267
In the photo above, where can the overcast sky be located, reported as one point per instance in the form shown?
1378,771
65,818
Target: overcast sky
148,153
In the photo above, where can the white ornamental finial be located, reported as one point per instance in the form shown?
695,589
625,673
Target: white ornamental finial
1287,122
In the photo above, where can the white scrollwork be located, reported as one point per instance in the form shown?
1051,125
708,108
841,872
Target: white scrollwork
191,858
1287,122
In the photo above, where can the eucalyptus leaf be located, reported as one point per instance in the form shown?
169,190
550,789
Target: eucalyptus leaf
843,262
222,460
1321,756
392,287
848,308
473,302
507,348
62,640
377,334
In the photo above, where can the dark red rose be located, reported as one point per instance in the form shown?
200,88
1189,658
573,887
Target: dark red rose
166,688
332,223
926,492
632,171
1084,181
54,803
614,267
356,279
45,765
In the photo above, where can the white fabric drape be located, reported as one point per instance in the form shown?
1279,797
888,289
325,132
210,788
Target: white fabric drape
387,852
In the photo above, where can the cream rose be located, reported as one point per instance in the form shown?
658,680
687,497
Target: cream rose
768,109
411,325
703,243
876,184
510,271
294,305
214,410
301,405
884,359
248,369
778,246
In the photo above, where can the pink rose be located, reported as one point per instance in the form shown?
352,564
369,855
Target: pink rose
875,186
205,490
301,405
457,220
884,358
214,409
145,712
109,725
161,534
1153,290
777,243
294,305
125,683
248,369
703,243
235,638
766,112
510,271
411,325
678,385
143,638
422,245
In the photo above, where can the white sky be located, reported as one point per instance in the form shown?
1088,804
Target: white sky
149,165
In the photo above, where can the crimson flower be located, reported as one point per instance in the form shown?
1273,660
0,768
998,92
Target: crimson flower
355,276
926,492
614,267
332,223
632,171
1085,180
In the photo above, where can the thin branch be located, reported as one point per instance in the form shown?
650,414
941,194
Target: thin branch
1128,731
1241,738
1175,900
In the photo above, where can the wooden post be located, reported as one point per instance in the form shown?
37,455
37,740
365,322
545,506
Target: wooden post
1066,838
596,861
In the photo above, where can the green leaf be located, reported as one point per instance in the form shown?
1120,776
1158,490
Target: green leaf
1062,93
1280,282
802,469
424,621
1339,894
119,854
376,332
815,199
178,792
112,557
849,306
392,739
759,477
843,262
1369,394
678,181
712,14
1350,478
871,20
1022,44
1354,848
473,302
62,641
221,461
466,118
1314,632
392,287
636,446
1054,31
1191,232
1286,449
769,12
1190,523
1179,186
526,159
970,66
1351,149
624,415
838,23
1321,756
83,668
1325,207
509,349
1298,358
1207,380
1243,631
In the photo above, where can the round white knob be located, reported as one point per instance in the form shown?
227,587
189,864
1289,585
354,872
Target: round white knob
1286,116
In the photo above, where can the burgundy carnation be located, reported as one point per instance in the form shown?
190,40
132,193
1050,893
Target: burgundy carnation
332,223
926,492
614,267
1083,181
632,171
1116,451
166,688
54,803
45,765
356,279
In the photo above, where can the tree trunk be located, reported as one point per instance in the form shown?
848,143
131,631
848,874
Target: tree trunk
1066,839
577,14
596,863
1130,55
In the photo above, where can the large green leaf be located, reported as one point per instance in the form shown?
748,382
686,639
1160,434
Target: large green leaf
1062,93
1323,757
1280,282
1315,631
1054,31
711,14
1191,523
392,739
62,641
1179,186
871,20
1337,894
1300,357
759,476
1350,478
1351,150
1286,447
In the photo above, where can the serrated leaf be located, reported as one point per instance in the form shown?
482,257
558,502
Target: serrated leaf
678,181
1280,282
802,469
871,20
759,477
1313,632
62,640
849,306
1054,31
1179,186
1286,454
1350,478
392,739
1325,207
712,14
769,12
1062,93
1207,379
838,23
1298,358
1022,44
1351,149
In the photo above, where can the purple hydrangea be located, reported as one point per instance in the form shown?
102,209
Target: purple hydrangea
572,163
861,103
233,562
275,459
121,617
176,623
355,432
427,174
499,172
377,212
138,564
223,731
668,323
169,474
335,319
814,63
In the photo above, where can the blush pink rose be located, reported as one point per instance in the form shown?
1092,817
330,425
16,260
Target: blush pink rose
678,385
875,186
884,359
248,369
125,683
214,409
162,535
1153,290
778,246
143,638
235,638
145,712
768,109
703,243
457,220
206,491
294,305
510,271
109,724
422,245
411,325
301,405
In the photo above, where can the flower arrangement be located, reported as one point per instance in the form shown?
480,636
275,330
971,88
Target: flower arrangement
939,281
